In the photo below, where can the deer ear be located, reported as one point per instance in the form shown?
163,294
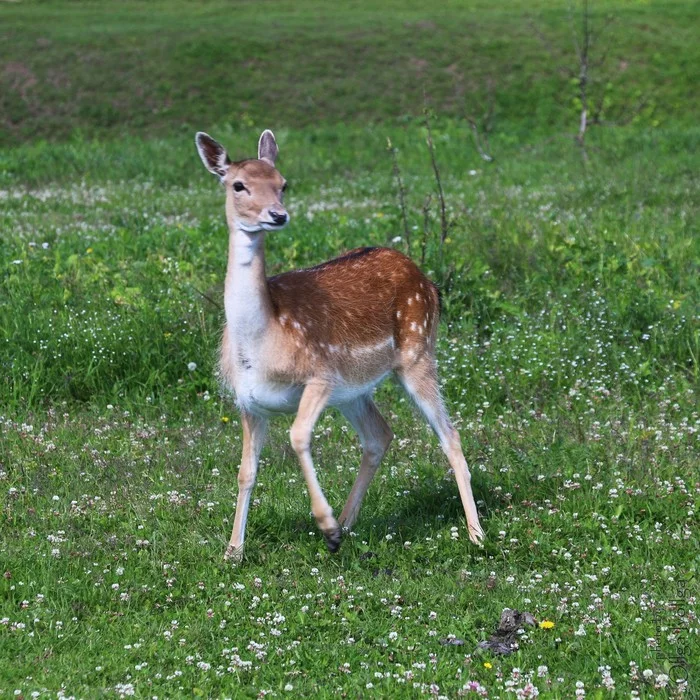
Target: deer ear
267,147
213,154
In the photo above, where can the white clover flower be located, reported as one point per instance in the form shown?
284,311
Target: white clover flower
191,366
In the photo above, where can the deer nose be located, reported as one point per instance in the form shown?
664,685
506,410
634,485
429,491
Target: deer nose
278,218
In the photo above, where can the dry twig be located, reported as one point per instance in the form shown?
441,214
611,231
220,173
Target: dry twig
402,193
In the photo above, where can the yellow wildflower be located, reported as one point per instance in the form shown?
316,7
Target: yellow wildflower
546,624
488,664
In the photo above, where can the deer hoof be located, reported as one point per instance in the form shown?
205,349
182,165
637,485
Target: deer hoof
476,535
333,538
234,555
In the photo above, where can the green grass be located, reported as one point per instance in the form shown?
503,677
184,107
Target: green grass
568,353
156,67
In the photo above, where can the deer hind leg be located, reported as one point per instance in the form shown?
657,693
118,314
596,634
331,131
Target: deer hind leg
313,401
421,383
375,436
254,431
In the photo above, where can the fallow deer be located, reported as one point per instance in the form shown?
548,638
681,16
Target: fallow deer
324,336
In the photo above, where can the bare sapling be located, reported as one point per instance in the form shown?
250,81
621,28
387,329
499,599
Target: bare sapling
402,193
592,43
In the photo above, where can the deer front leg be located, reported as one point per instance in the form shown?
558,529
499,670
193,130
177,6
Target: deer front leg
313,401
254,431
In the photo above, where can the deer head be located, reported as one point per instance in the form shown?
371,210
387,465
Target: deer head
254,187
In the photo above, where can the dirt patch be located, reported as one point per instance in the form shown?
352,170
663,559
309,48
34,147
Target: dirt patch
425,24
19,77
417,64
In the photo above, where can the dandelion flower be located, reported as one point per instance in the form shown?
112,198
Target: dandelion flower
488,664
546,624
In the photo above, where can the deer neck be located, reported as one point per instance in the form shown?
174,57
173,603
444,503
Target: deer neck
246,294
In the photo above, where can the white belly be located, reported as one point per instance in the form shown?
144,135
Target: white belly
256,395
345,393
262,397
265,398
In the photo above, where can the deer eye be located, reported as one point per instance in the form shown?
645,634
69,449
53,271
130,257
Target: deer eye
238,186
284,187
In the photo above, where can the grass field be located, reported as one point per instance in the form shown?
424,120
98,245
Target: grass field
568,352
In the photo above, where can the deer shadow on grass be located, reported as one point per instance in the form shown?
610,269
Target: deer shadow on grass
412,516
